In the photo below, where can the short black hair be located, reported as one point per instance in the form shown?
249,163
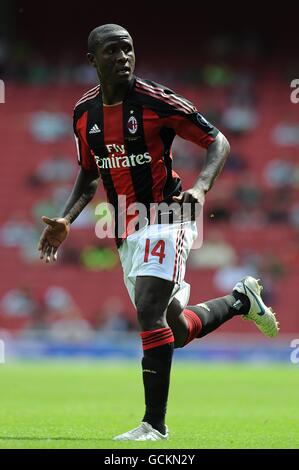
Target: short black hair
97,34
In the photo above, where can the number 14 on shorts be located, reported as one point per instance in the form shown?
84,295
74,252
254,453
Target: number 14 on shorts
157,250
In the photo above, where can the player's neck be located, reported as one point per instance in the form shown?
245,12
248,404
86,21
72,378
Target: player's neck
114,94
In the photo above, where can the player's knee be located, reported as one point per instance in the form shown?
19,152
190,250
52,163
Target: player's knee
150,315
150,320
148,324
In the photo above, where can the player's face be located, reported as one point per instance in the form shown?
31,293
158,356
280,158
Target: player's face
115,58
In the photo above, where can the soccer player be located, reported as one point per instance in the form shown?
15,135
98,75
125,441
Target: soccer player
124,129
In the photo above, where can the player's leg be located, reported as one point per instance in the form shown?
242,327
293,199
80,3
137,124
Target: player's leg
178,323
152,296
196,321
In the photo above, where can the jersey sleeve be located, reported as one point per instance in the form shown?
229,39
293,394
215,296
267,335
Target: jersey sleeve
85,157
189,123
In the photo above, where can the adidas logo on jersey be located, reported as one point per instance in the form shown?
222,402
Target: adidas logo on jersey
95,129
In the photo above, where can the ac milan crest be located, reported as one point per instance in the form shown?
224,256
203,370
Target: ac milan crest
132,125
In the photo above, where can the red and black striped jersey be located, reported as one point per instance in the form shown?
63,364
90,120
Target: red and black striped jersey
130,143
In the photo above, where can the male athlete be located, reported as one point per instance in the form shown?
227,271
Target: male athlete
124,129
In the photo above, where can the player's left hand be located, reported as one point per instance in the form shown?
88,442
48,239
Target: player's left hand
195,197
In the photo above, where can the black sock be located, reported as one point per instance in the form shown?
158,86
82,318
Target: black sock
215,312
156,366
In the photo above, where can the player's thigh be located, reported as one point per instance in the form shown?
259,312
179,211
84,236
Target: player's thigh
152,295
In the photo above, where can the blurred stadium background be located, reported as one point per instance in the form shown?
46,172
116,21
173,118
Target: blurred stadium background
239,76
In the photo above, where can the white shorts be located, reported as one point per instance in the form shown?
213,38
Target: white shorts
159,251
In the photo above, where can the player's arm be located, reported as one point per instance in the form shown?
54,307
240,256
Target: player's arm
58,228
191,125
217,153
83,191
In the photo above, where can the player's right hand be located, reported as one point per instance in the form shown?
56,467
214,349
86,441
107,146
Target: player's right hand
54,234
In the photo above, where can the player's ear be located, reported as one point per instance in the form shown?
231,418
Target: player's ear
91,59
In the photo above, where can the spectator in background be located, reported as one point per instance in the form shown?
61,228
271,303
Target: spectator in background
64,318
296,176
58,169
219,212
240,115
38,69
239,119
83,74
218,75
249,218
227,276
235,164
18,231
270,266
114,317
242,90
99,258
50,125
249,211
57,299
294,216
279,173
21,233
71,254
286,133
278,207
219,206
72,328
214,253
247,192
271,269
19,302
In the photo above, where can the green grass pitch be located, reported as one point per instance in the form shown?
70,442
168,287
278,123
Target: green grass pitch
83,405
